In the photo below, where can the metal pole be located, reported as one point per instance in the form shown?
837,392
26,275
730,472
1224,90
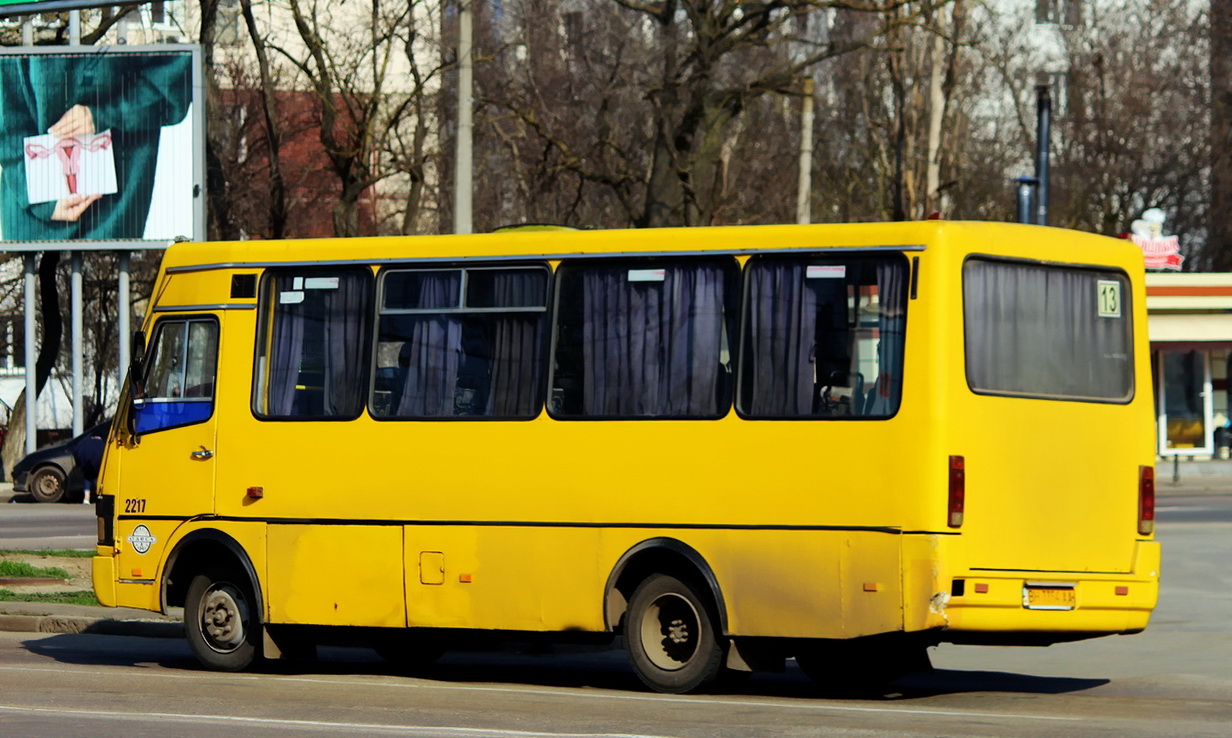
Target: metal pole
27,30
804,188
462,161
1026,192
75,301
123,311
74,28
1043,108
31,390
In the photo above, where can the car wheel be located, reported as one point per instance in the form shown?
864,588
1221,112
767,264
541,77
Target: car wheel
671,638
46,484
220,620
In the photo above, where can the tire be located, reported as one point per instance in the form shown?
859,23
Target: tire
854,668
671,638
47,484
220,621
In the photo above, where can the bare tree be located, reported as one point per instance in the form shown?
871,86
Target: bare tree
354,78
645,99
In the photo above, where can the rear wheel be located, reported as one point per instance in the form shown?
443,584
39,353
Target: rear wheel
46,484
671,636
220,621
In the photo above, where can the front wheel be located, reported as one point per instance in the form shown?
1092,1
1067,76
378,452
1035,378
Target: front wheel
220,620
671,637
47,484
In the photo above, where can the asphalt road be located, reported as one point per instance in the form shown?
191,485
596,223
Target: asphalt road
1172,680
41,526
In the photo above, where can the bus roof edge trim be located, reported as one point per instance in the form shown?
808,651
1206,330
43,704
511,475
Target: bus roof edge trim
536,257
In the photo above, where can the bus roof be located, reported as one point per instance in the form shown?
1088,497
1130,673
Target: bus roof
999,239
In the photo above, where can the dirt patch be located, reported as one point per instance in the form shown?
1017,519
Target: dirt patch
78,569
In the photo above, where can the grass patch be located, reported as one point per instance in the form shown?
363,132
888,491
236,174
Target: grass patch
64,553
84,597
22,569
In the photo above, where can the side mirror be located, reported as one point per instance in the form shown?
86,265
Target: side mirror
136,392
138,349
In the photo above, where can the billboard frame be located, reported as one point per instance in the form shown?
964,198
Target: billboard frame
197,116
37,7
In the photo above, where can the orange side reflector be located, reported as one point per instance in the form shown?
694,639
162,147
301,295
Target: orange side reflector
872,586
981,588
256,493
136,573
1122,591
464,578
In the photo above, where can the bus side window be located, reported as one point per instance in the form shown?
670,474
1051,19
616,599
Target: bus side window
460,343
645,338
179,378
313,344
823,336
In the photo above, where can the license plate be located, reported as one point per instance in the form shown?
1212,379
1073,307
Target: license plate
1049,598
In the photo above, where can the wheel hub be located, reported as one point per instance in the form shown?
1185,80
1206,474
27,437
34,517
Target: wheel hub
223,618
669,632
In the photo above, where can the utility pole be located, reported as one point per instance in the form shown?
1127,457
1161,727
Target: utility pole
1043,110
464,151
804,187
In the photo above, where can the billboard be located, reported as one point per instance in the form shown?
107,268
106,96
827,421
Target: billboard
101,146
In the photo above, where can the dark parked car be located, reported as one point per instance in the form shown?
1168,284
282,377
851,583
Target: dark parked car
51,474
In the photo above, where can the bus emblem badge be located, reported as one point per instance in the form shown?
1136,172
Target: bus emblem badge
142,539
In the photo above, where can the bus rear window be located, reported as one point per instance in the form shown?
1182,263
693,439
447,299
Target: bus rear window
1048,331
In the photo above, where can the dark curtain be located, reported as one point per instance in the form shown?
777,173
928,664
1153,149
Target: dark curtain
892,323
781,346
287,350
432,353
517,356
336,320
346,322
652,348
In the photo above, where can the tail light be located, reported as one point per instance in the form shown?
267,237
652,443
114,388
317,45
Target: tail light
104,509
958,491
1146,500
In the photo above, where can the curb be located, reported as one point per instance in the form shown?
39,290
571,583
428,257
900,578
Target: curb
94,626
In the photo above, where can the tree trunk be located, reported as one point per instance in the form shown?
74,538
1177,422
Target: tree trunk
936,115
273,136
14,445
1219,244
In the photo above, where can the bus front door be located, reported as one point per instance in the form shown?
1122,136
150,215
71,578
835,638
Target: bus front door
167,467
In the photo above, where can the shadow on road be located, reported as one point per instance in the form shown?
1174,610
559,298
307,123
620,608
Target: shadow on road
596,669
949,681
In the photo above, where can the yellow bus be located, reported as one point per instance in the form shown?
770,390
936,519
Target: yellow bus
732,446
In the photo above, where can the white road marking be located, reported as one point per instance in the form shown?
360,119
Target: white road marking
281,723
702,700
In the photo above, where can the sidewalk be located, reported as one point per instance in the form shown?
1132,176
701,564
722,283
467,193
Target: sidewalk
38,617
1183,476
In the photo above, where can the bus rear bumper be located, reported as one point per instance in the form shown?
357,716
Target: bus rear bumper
103,577
1039,608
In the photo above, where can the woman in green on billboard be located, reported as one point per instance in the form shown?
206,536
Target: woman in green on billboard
78,95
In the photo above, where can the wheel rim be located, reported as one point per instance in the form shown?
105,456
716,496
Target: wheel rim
46,485
224,613
670,632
